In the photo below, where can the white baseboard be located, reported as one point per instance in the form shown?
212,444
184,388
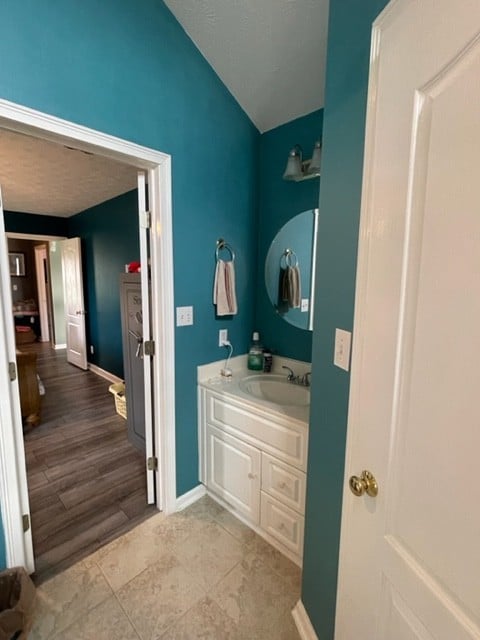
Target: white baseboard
190,497
302,621
60,346
104,374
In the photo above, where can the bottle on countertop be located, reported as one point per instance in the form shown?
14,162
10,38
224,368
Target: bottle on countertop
267,361
255,354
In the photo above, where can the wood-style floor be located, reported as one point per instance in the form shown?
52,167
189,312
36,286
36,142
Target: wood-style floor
86,481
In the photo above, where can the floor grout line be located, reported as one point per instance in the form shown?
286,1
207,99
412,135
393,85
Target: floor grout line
213,612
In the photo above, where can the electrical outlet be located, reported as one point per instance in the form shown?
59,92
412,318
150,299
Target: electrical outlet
304,306
15,287
184,316
341,354
222,337
92,349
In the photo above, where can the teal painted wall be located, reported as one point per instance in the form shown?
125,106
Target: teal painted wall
16,222
343,137
129,69
109,236
279,201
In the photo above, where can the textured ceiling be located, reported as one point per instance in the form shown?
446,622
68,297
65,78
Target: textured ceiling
269,53
37,176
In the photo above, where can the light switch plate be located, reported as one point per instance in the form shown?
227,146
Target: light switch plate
341,353
184,316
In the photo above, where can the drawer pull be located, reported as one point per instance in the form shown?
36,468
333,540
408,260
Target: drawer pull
282,485
252,476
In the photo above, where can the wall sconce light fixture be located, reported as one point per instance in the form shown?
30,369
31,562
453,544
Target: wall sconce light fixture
298,169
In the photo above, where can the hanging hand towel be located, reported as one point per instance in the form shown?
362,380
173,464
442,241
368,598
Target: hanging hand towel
294,287
224,295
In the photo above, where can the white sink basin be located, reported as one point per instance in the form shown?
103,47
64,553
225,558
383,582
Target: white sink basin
277,389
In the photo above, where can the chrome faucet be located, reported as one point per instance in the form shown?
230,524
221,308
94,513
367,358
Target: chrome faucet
294,379
306,378
291,375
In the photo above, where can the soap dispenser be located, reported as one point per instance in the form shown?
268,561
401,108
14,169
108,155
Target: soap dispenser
255,354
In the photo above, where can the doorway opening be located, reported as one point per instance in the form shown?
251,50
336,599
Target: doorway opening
14,486
86,480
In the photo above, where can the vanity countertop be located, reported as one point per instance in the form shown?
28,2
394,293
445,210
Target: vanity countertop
231,387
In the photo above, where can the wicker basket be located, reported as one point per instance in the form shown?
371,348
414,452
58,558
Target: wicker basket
118,390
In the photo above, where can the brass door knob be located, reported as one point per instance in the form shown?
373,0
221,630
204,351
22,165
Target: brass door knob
365,484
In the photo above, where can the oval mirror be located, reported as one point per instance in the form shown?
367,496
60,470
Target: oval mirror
289,269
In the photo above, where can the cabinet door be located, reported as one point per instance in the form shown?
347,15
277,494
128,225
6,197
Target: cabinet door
284,482
233,472
283,524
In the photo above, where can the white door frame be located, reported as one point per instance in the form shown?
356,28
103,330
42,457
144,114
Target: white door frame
40,125
47,240
40,258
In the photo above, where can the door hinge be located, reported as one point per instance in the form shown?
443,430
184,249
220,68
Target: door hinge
26,522
145,220
12,371
152,463
149,348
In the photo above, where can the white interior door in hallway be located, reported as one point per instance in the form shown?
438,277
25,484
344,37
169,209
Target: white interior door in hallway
145,241
410,557
74,302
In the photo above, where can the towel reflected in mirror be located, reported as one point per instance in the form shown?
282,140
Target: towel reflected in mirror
289,288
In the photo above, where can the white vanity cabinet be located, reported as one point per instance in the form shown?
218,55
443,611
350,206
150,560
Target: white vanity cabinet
253,460
233,472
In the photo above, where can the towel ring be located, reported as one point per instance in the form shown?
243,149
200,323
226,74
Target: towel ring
221,244
290,256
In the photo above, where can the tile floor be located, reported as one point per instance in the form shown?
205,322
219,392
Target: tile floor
196,574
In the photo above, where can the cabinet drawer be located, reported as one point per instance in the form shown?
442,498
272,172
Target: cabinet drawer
284,482
282,438
233,472
282,523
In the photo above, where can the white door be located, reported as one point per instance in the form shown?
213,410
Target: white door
410,558
14,491
41,269
74,304
151,462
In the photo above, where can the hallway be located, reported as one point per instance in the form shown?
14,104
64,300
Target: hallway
86,481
